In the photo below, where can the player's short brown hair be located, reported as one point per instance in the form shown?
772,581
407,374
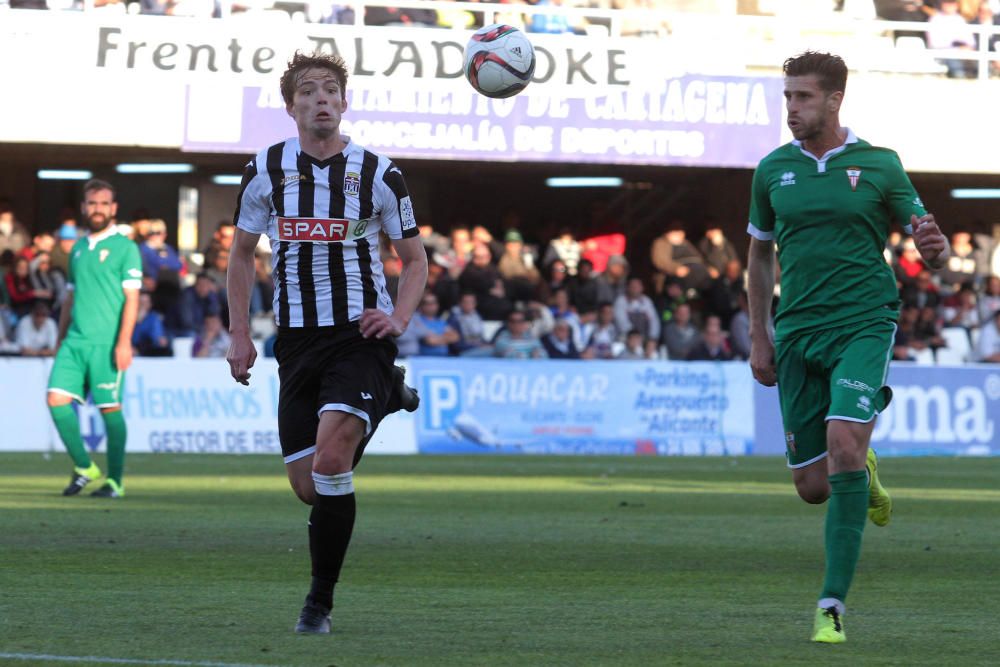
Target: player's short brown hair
97,184
301,62
830,70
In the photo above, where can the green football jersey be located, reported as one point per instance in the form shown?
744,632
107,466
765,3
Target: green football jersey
99,269
829,219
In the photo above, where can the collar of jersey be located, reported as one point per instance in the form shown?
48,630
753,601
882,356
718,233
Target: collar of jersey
338,157
851,139
93,240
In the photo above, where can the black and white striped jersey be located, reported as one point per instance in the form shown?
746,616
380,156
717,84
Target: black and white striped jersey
323,220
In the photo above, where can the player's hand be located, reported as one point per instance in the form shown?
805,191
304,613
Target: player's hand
930,240
376,324
762,362
123,356
241,356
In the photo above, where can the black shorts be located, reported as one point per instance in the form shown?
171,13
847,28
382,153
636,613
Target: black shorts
329,368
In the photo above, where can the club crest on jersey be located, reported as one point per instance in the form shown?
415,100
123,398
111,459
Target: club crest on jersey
854,175
103,255
787,178
352,184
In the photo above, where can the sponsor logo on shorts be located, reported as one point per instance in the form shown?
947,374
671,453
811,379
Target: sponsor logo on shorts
864,403
856,385
107,385
319,230
366,396
790,441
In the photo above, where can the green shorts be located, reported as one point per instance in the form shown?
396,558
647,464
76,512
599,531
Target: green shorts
79,367
829,374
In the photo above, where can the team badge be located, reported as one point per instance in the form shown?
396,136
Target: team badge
854,175
104,254
352,184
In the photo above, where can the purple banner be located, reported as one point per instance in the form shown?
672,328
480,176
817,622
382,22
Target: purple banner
693,120
935,410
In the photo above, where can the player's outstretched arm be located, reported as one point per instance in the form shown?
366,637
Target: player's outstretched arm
930,241
760,295
239,282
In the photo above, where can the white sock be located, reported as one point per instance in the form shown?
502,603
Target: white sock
341,484
826,603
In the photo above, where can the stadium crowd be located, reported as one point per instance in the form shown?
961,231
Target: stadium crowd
562,297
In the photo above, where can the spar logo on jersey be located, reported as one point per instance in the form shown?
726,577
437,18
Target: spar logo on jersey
854,175
787,178
409,220
352,184
312,230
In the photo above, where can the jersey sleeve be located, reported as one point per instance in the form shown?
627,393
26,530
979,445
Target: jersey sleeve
761,225
253,207
398,220
902,197
131,270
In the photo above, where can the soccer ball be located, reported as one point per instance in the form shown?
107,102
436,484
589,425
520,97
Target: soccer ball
499,60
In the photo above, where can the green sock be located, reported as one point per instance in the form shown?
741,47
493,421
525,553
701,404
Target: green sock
114,426
845,522
68,426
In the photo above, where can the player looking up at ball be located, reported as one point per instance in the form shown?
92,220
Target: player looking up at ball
322,200
827,199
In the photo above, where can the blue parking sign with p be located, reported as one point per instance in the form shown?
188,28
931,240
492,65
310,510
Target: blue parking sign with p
443,395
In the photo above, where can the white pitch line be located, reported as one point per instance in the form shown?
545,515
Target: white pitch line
121,661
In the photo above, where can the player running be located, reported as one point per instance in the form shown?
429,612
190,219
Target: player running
322,201
827,200
95,334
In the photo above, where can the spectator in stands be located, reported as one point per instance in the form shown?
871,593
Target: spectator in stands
40,242
635,346
989,300
221,241
433,333
634,310
966,265
902,10
564,248
20,290
961,309
928,327
37,335
559,343
717,250
149,338
522,280
923,292
433,240
988,346
908,342
218,268
679,334
160,262
482,278
400,16
517,341
601,338
612,282
722,296
459,18
739,329
198,302
440,280
712,345
947,29
13,235
989,16
466,320
585,291
65,240
562,309
909,264
461,247
262,293
673,255
213,339
556,277
326,11
482,236
44,279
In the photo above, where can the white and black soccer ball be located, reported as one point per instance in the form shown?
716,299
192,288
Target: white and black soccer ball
499,60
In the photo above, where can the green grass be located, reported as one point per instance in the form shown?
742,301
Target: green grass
494,561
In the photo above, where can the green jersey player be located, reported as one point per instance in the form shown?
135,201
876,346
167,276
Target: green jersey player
95,334
827,200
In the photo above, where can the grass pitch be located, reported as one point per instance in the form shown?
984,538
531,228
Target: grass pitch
492,561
